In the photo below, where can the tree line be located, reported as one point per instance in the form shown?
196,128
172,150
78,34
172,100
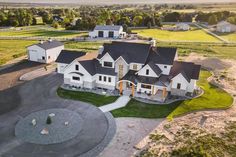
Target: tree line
86,17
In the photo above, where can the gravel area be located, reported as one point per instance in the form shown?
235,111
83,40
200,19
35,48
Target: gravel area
58,131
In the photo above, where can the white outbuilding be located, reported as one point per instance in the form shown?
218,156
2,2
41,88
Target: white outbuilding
182,27
107,31
225,27
45,51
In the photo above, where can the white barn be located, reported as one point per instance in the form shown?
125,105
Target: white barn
45,52
107,31
225,27
182,27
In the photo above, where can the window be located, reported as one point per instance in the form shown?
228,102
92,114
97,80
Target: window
107,64
100,34
109,79
165,66
104,78
76,78
76,67
147,72
110,34
43,58
48,57
146,86
100,78
135,67
178,85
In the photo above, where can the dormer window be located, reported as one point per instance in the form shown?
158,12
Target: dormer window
135,67
147,72
107,64
76,67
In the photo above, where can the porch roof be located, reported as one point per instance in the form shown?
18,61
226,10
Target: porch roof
163,80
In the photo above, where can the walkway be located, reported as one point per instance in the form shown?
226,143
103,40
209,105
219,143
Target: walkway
119,103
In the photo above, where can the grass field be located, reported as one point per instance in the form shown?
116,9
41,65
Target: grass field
83,46
40,33
95,99
195,34
228,36
10,49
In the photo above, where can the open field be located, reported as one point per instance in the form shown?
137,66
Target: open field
83,46
10,49
228,36
194,35
37,32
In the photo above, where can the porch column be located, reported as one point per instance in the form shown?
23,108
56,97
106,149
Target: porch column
164,93
152,90
121,87
132,90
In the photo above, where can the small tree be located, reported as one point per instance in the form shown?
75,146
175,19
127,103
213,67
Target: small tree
49,120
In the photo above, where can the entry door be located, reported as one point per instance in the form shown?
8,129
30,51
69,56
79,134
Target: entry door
100,34
121,71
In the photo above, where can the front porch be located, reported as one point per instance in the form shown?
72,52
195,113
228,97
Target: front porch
128,88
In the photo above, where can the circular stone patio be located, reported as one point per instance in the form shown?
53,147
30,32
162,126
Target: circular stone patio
65,125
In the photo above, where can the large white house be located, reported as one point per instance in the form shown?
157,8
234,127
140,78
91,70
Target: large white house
45,51
137,69
107,31
225,27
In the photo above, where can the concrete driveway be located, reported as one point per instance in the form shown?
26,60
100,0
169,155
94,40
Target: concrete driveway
39,94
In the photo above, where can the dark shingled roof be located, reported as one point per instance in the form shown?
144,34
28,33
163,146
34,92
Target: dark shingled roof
93,67
50,44
162,55
67,56
108,27
132,52
139,52
155,68
187,69
163,80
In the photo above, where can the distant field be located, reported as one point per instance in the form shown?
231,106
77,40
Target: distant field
194,35
83,46
39,33
10,49
228,36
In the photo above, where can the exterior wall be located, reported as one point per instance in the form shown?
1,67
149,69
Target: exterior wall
139,66
142,72
94,34
61,67
35,53
183,88
107,58
86,81
143,90
121,61
224,28
192,86
105,84
52,54
165,71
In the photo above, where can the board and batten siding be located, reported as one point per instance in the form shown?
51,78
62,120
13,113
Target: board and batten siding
164,68
36,53
142,72
107,58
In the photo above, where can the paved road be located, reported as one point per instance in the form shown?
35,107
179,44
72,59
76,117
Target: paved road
38,94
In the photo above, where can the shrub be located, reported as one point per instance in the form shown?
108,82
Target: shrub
49,120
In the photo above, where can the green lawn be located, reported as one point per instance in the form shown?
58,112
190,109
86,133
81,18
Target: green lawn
194,35
95,99
228,36
213,98
139,109
10,49
83,46
40,33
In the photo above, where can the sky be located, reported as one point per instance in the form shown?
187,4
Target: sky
117,1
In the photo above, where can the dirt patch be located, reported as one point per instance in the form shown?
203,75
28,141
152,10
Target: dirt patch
9,77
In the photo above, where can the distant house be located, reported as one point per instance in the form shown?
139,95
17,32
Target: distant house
182,27
45,52
107,31
225,27
57,18
66,57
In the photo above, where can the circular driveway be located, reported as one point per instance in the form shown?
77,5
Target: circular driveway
40,94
